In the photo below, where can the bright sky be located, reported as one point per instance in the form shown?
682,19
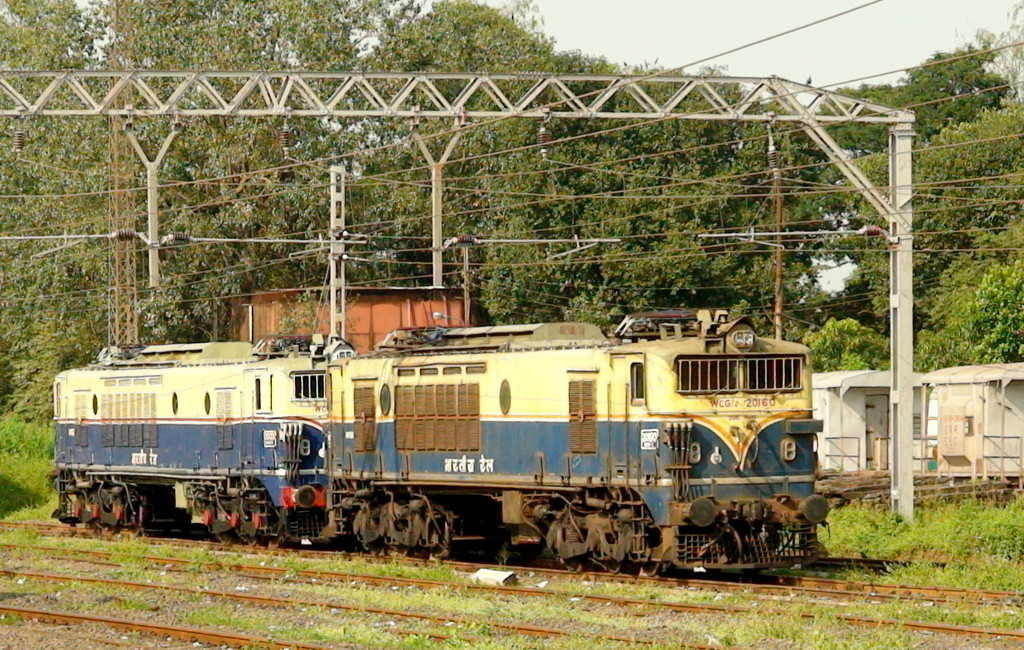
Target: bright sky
891,34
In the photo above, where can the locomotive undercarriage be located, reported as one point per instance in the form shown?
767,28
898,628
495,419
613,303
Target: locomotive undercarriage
608,527
113,504
234,509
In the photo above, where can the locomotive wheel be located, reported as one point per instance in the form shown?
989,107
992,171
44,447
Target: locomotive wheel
650,569
566,539
227,537
368,527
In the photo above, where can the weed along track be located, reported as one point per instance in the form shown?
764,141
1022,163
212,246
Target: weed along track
189,634
770,585
521,629
254,599
815,587
803,586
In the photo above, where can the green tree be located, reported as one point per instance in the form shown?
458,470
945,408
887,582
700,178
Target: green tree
54,307
982,319
955,102
847,345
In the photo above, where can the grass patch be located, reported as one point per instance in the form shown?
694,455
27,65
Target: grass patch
26,459
982,545
943,531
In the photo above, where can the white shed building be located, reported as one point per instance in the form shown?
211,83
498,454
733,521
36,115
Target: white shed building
854,408
979,413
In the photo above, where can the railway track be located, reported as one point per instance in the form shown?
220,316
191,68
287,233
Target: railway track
259,571
188,634
522,629
764,584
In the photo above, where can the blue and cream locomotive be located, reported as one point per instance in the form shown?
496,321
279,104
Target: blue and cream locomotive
685,440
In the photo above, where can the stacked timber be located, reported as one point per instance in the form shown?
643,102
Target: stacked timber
841,488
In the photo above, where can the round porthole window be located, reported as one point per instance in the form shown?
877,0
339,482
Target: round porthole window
385,399
174,403
505,397
206,403
95,405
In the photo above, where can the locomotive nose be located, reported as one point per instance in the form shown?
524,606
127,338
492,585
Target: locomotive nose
814,508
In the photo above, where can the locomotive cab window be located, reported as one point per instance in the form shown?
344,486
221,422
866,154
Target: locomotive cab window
637,390
309,386
727,373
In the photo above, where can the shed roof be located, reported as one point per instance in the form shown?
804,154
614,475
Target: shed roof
856,379
850,378
976,374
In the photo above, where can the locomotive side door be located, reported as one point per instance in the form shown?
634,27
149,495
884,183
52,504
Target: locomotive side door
635,442
257,408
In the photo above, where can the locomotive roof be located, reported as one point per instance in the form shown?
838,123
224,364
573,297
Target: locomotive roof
492,338
696,345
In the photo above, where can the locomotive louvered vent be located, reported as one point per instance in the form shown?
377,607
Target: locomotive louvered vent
128,420
365,409
225,431
724,374
438,417
582,418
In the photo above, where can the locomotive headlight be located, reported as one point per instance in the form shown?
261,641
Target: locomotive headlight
743,339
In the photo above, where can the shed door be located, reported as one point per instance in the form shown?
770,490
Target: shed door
876,430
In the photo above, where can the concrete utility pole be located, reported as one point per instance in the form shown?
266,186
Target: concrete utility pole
437,202
152,166
336,254
901,318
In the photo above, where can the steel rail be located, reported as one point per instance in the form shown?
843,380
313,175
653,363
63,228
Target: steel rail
775,585
765,584
189,634
533,630
268,572
866,563
515,628
179,569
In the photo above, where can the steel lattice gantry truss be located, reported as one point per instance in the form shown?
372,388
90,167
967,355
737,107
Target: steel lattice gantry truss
349,95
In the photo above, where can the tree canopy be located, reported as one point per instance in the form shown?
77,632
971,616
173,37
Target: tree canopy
656,185
847,345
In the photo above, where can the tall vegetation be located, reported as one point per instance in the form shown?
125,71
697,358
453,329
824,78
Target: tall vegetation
671,180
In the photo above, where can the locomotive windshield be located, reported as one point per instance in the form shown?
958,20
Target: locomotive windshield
733,373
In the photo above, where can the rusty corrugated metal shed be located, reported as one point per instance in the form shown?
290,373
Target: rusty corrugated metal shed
372,312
